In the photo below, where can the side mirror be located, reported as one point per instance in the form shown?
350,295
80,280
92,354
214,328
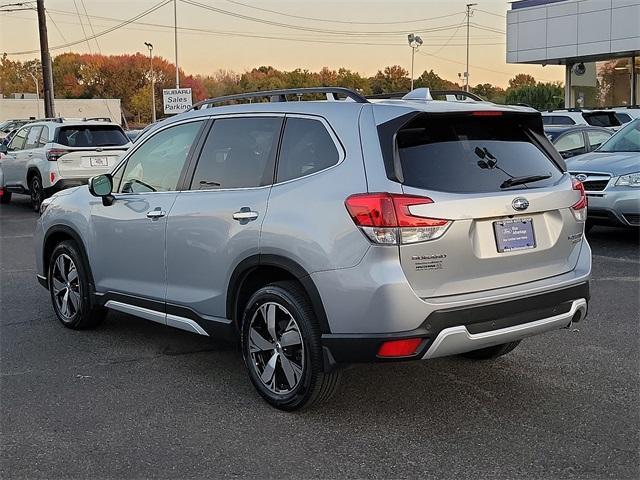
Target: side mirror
101,186
3,148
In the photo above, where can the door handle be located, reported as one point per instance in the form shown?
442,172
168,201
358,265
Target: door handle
153,214
245,215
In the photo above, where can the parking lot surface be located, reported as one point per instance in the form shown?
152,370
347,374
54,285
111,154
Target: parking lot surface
134,399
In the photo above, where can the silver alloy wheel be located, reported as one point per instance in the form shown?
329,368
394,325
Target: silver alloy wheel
66,286
34,190
276,348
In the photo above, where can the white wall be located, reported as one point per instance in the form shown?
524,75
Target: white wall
64,107
575,28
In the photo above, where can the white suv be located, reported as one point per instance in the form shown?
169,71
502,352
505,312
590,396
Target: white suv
44,157
579,116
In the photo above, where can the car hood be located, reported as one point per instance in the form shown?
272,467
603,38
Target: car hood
619,163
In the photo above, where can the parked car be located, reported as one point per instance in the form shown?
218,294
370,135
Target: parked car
324,233
8,126
579,116
44,157
611,178
626,114
133,134
576,140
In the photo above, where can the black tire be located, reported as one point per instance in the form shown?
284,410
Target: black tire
36,191
312,385
491,353
5,198
78,314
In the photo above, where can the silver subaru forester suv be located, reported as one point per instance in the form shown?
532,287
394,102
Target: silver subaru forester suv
327,232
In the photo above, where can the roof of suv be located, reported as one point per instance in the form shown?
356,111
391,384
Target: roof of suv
328,107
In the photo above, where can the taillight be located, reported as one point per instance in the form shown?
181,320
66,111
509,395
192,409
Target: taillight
55,153
399,348
579,208
486,113
385,218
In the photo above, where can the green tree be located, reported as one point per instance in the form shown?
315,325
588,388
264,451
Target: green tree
521,80
542,96
434,81
393,79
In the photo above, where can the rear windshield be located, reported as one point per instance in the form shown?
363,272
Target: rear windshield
92,136
557,120
602,119
472,154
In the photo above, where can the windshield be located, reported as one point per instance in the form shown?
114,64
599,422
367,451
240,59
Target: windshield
626,140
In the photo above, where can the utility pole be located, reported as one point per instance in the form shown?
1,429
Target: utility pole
466,73
45,59
153,83
175,39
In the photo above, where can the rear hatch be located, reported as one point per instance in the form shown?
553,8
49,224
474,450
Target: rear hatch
83,151
494,177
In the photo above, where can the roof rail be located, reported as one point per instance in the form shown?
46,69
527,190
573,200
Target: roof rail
399,95
281,95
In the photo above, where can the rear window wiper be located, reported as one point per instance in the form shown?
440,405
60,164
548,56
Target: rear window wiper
522,180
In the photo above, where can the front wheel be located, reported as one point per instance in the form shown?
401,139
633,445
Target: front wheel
281,348
69,289
490,353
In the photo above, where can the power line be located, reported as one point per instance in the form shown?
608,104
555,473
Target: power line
100,34
305,28
491,13
82,25
84,7
56,25
349,22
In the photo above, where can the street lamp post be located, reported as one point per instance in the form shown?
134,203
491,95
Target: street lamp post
414,42
153,86
35,80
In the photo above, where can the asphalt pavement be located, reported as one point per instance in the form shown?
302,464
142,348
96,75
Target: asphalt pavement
134,399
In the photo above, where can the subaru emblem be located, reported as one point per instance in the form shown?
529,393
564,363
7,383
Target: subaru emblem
581,177
520,203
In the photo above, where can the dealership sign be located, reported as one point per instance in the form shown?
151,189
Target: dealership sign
176,100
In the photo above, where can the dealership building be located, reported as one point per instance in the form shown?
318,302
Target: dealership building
597,40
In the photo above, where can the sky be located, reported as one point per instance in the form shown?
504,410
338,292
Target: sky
238,35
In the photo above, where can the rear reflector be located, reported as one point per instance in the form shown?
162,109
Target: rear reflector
385,218
52,177
399,348
579,208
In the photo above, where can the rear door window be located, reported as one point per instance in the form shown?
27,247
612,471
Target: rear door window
238,153
87,136
467,154
307,147
32,138
597,138
44,137
570,144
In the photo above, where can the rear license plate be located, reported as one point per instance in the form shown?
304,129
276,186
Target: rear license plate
514,234
99,161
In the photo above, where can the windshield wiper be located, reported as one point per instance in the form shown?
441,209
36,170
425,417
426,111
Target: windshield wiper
521,180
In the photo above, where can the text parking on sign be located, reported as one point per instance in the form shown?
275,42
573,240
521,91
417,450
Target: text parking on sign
176,100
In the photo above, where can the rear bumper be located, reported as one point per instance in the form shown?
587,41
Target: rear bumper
458,330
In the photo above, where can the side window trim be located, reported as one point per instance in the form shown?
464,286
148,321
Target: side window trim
123,163
334,137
